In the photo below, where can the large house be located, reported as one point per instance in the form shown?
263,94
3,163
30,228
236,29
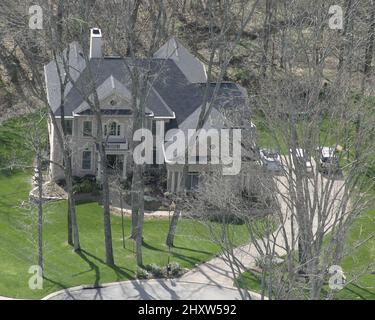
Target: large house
174,99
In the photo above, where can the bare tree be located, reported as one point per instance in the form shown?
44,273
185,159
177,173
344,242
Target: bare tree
33,49
314,207
222,48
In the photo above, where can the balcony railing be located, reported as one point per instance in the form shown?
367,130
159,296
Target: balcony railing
117,143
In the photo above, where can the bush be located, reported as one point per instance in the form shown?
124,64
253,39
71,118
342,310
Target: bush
173,269
155,270
142,274
85,185
176,270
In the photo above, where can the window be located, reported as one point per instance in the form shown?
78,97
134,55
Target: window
86,160
153,128
192,180
112,129
87,128
68,126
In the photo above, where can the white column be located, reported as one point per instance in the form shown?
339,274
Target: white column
172,182
99,172
168,180
124,167
178,187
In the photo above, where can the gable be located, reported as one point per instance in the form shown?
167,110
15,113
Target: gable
191,67
172,95
76,65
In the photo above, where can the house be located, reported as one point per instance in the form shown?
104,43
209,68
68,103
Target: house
174,101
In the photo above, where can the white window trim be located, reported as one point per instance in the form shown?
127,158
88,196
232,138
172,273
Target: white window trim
69,119
118,125
83,129
90,160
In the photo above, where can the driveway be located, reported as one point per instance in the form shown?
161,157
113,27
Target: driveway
149,290
219,272
210,280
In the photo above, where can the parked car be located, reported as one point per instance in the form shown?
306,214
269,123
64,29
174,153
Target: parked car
271,159
302,156
328,161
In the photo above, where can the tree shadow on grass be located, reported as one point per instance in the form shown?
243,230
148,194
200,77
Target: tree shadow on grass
60,287
120,271
192,261
150,247
194,250
83,255
356,292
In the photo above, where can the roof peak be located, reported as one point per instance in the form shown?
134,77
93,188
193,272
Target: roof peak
189,64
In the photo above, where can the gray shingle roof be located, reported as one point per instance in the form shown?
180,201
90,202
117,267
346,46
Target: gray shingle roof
190,66
77,65
171,94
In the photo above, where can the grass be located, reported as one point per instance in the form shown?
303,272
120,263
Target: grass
266,138
14,136
64,268
355,264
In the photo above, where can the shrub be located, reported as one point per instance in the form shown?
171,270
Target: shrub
176,270
155,270
173,269
142,274
85,185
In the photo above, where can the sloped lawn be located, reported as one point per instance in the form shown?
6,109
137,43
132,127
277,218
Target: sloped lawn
63,267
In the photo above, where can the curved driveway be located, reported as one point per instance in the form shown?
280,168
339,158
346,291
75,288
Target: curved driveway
149,290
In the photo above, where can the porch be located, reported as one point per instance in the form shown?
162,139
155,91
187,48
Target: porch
116,164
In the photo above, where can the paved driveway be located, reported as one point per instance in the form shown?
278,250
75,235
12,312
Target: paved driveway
219,272
149,290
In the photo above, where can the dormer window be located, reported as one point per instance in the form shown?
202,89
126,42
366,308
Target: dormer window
112,129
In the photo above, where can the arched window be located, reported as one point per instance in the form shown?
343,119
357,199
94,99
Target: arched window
112,129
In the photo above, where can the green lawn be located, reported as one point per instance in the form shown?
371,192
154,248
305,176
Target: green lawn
276,140
64,268
355,264
14,148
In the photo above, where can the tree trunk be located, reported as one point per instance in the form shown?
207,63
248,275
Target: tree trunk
346,33
106,209
73,237
172,228
369,48
366,73
122,218
72,215
137,210
266,36
70,227
40,210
